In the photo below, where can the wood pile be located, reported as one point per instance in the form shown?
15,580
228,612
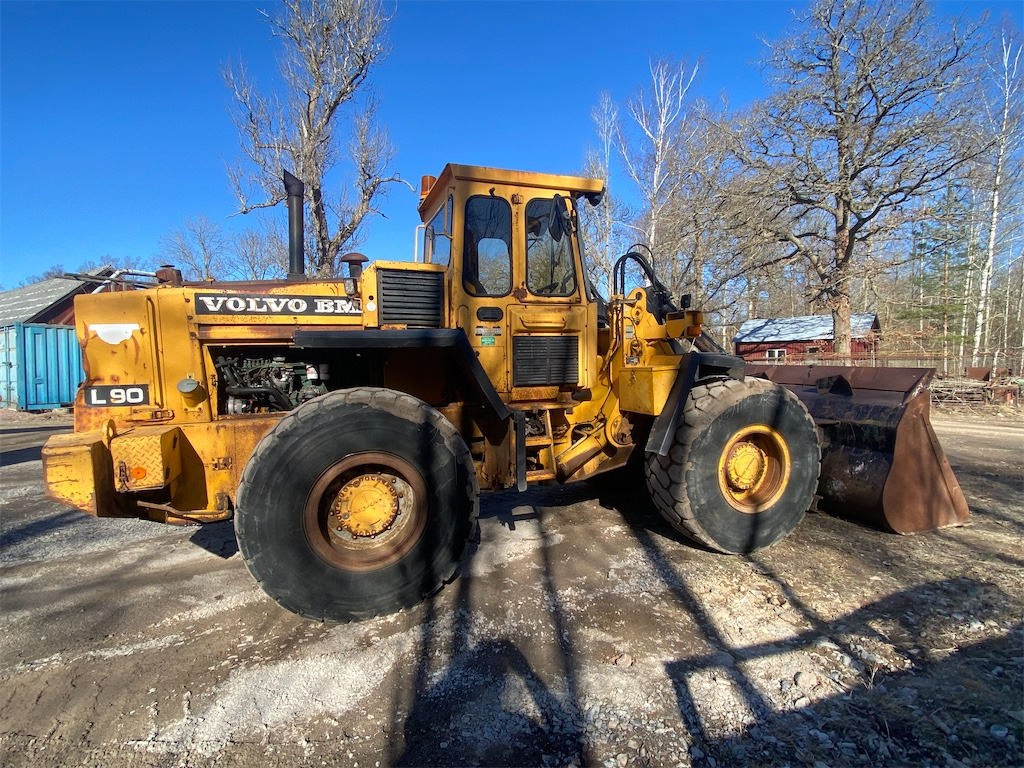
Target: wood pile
964,391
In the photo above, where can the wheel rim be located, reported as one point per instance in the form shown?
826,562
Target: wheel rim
365,512
754,468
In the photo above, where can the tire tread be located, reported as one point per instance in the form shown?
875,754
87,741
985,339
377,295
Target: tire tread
399,404
666,474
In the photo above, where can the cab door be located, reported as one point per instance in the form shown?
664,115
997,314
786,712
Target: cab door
550,326
521,298
486,275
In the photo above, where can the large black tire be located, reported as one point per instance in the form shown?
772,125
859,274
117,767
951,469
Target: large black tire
743,466
356,504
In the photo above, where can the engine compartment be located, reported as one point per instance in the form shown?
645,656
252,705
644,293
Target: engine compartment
258,383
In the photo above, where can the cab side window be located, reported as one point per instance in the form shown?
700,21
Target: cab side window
437,241
487,246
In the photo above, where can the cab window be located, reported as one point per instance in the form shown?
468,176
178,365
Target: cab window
437,240
550,269
487,246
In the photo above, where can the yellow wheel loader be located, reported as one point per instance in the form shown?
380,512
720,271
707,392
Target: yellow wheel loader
348,425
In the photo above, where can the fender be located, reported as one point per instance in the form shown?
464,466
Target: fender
693,369
415,338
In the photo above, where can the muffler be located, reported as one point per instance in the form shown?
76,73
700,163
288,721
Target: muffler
295,191
881,460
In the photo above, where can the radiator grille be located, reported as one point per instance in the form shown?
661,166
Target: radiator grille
413,299
545,361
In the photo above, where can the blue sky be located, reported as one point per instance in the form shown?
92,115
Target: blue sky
114,125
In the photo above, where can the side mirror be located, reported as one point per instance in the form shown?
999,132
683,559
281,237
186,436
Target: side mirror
685,301
556,218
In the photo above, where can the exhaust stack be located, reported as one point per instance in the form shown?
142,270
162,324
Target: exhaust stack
296,191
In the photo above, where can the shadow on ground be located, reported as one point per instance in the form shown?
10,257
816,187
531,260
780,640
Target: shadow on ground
217,539
949,704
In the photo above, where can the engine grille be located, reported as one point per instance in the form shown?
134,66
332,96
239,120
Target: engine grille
413,299
545,361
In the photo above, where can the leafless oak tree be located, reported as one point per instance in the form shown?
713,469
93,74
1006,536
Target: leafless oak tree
866,115
329,50
204,251
261,254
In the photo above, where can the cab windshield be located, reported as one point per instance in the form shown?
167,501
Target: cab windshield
550,267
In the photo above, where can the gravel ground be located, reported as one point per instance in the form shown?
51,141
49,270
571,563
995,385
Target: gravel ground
582,631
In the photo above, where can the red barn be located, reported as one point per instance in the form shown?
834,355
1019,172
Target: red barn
803,339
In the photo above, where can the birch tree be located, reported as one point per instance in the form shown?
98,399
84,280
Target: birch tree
329,48
602,226
658,122
1003,126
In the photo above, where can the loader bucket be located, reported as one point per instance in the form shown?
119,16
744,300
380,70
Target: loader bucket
881,461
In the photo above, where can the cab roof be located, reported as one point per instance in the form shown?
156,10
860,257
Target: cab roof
454,172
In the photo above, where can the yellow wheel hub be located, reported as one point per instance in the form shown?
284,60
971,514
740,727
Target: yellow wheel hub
365,506
745,466
754,468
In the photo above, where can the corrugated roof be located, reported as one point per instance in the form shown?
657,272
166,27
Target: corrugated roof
23,305
806,328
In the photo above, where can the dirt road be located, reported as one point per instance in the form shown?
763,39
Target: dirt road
582,631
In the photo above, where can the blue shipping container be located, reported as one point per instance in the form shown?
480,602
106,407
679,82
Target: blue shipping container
40,366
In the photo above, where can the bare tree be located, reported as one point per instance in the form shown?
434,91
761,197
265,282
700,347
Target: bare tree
866,115
602,227
704,222
660,120
260,255
199,248
330,48
1002,127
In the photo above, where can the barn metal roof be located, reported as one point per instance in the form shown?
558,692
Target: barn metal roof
25,304
805,328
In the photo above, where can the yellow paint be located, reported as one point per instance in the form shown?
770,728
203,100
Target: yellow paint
146,458
367,505
75,471
187,454
645,389
685,324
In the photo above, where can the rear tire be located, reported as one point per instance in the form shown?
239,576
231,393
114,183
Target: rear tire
743,466
356,504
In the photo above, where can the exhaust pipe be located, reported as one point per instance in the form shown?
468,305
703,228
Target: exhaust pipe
296,191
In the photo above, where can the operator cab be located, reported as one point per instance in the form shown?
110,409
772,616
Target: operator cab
516,281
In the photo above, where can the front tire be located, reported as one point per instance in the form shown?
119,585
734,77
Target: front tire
356,504
743,466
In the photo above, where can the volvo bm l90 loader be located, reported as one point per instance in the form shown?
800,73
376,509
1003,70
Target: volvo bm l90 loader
349,424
